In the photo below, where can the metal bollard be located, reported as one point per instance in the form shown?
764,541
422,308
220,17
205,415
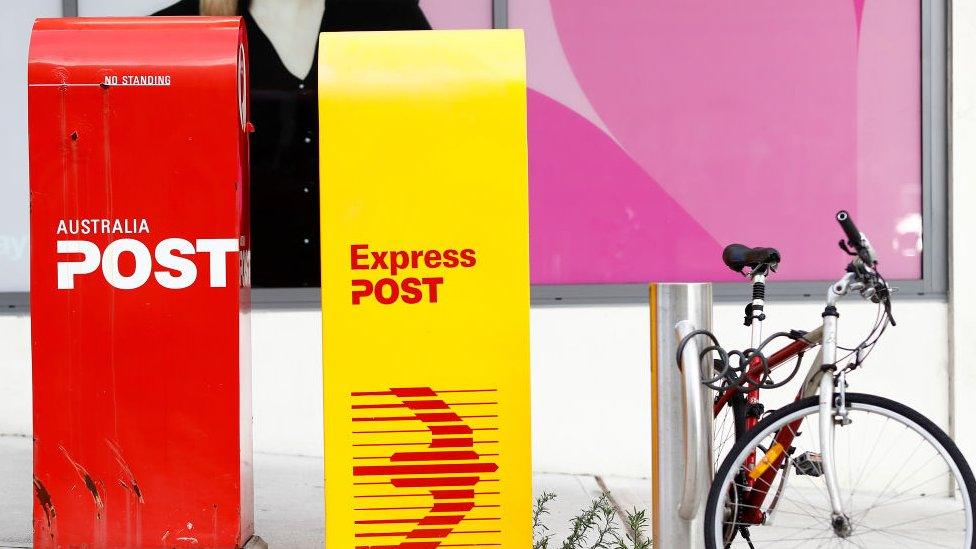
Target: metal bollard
681,416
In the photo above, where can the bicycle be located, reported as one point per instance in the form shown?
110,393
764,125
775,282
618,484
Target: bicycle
820,471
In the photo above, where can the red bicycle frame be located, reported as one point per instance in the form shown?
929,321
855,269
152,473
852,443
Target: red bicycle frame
784,438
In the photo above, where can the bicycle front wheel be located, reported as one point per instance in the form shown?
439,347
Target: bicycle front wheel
903,482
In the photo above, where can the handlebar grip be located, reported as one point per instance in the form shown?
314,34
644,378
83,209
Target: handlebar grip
846,223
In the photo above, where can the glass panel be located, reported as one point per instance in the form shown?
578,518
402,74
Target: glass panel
661,131
15,30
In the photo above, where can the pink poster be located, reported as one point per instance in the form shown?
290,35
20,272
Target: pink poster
662,130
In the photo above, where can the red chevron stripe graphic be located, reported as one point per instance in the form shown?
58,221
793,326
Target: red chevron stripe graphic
447,473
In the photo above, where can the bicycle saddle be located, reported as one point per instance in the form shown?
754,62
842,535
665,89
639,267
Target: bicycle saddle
738,257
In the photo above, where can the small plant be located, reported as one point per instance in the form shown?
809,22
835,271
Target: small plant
595,527
599,519
540,537
636,537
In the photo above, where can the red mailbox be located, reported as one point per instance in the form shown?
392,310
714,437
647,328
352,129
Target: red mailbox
140,282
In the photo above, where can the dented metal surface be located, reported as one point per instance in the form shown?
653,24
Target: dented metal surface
140,302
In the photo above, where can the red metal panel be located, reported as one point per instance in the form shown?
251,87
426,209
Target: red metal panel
139,282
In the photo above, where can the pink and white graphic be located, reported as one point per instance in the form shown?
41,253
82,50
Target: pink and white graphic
661,130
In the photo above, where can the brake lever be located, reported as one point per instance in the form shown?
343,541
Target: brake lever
847,249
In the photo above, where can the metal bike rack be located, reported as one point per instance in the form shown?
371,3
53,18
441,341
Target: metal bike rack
681,415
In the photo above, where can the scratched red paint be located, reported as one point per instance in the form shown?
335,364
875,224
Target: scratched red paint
138,136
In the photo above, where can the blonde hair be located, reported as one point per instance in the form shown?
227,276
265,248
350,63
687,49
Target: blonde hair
218,7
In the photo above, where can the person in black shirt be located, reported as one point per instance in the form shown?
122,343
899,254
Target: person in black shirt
284,146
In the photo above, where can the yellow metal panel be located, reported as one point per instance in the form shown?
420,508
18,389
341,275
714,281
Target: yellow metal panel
425,289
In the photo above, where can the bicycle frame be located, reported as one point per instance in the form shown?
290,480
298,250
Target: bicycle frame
816,380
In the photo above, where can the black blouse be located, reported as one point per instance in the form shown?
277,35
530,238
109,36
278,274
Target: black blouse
284,145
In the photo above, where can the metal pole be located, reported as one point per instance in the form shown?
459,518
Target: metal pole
681,442
499,14
69,8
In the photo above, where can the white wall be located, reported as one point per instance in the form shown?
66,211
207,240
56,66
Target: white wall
963,223
15,375
590,376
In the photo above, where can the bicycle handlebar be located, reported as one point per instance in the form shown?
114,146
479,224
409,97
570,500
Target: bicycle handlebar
856,239
866,265
846,223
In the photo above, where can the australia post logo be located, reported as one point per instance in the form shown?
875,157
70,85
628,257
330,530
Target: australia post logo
127,263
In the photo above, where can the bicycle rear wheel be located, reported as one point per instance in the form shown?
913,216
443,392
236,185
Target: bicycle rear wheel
903,481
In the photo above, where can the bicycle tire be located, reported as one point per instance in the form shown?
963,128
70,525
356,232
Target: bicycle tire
716,496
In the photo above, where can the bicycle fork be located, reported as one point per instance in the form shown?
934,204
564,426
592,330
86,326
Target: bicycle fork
829,409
